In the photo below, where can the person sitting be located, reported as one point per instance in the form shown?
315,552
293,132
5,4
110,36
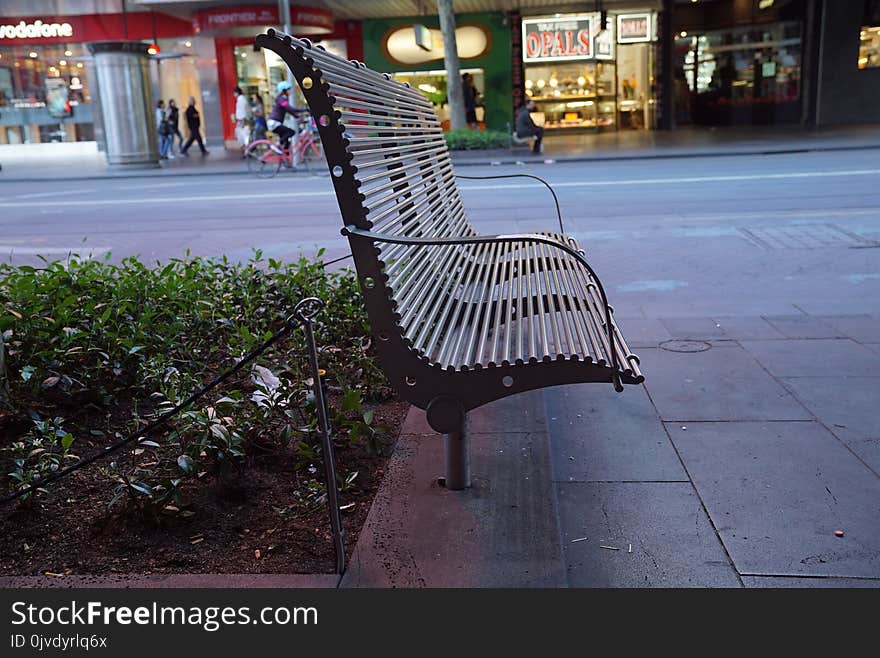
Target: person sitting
280,110
526,127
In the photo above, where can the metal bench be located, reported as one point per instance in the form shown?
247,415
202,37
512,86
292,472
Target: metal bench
459,319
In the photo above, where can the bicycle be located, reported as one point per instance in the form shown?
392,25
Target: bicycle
265,158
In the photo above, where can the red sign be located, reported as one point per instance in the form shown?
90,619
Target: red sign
46,30
302,19
555,39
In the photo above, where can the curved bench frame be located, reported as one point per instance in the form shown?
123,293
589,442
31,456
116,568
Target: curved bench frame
447,394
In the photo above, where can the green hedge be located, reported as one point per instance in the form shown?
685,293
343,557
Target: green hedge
468,140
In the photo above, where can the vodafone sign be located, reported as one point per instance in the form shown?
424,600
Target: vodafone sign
36,30
558,39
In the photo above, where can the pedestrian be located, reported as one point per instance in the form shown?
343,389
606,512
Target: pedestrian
173,119
259,113
242,129
193,122
163,129
526,127
469,91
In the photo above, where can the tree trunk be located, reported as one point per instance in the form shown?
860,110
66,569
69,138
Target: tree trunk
454,93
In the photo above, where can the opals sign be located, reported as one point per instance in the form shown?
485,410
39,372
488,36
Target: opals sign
558,39
634,28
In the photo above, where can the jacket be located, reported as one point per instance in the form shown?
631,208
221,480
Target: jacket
192,117
524,124
281,108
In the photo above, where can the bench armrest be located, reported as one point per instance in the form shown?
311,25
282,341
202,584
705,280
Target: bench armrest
537,178
352,231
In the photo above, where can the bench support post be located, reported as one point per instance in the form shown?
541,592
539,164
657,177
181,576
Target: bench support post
457,455
447,415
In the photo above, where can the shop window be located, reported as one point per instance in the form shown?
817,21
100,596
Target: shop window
573,95
44,94
740,69
433,84
869,47
869,38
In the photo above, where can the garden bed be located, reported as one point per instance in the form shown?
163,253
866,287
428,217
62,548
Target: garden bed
234,484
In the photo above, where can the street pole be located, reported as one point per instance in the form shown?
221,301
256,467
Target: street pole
284,14
454,93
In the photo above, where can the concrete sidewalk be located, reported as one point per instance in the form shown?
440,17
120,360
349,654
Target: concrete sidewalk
20,164
734,465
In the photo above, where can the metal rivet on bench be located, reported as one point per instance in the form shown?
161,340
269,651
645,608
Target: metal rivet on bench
410,381
369,283
507,380
307,83
324,120
383,336
337,171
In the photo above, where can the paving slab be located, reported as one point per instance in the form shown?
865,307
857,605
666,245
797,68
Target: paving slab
599,435
806,358
673,543
721,328
861,328
777,492
803,326
642,332
502,532
720,383
825,583
848,407
518,413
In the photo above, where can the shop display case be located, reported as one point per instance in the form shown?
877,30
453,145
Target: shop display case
573,95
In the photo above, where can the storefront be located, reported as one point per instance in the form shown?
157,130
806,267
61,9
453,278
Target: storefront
258,71
411,49
590,71
739,63
46,90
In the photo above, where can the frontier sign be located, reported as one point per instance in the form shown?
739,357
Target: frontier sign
36,30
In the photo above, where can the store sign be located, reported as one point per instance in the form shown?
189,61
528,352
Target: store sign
424,40
399,46
634,28
603,44
558,39
303,20
36,30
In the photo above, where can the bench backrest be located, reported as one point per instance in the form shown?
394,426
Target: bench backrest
383,141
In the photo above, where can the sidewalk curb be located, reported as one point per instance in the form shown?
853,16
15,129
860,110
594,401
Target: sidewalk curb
479,162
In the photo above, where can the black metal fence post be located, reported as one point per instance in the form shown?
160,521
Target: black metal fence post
305,311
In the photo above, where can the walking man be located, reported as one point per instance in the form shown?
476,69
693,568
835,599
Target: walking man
193,122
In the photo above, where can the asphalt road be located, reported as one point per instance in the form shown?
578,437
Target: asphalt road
691,236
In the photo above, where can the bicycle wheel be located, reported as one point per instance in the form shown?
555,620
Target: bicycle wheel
312,153
264,159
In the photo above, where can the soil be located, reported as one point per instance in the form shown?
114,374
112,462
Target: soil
256,525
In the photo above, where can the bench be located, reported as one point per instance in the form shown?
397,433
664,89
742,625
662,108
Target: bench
459,319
